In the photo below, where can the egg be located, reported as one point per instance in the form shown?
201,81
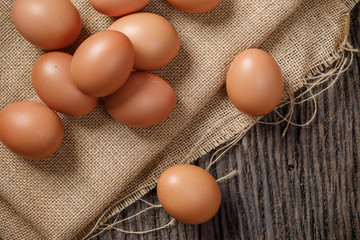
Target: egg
195,6
155,39
144,100
52,81
102,63
31,130
254,82
117,8
189,194
47,24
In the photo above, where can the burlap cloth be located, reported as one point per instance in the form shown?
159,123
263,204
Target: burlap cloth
101,161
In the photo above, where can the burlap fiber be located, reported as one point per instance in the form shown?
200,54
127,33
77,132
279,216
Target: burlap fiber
101,161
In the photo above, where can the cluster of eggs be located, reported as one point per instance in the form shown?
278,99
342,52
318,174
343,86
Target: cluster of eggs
102,66
113,64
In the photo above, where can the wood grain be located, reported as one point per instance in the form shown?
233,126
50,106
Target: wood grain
305,185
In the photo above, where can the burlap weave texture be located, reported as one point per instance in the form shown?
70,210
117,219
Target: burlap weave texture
100,160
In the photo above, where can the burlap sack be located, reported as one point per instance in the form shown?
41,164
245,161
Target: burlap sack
101,161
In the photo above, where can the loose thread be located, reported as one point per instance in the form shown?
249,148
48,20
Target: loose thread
112,226
345,64
146,231
289,116
347,47
289,122
216,125
137,214
227,147
97,223
228,176
341,66
150,204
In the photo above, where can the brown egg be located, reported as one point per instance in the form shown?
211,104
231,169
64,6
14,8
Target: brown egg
194,6
189,194
30,129
47,24
254,82
52,81
144,100
102,63
117,8
155,39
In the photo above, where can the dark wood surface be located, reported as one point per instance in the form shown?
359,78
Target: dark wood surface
305,185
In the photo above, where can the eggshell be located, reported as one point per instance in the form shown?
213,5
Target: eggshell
255,82
102,63
31,130
155,39
195,6
117,8
47,24
52,81
144,100
189,194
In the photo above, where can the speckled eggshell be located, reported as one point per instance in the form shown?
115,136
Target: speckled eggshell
52,81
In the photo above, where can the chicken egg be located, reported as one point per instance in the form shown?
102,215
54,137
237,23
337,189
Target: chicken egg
254,82
102,63
194,6
189,194
31,130
155,39
52,81
47,24
117,8
144,100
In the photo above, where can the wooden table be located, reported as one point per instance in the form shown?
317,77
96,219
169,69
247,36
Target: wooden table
304,185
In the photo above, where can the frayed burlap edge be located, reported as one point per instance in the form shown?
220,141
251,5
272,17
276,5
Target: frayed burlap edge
350,4
335,60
